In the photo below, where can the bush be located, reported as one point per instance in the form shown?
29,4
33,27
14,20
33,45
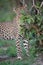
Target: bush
32,29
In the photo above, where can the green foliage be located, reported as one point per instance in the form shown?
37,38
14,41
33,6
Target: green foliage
32,29
7,42
11,47
16,62
5,4
23,12
1,51
27,19
6,10
6,16
11,51
6,63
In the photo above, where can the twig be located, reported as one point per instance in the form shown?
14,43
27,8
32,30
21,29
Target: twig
33,3
38,33
34,6
41,4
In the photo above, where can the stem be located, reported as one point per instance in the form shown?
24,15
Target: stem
33,2
41,4
23,2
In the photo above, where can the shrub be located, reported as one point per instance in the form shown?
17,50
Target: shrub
32,29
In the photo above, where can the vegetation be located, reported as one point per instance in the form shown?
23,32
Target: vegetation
17,62
10,45
7,16
7,42
11,51
32,28
6,11
31,23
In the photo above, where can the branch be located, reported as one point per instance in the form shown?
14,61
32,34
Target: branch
38,33
33,3
41,4
34,6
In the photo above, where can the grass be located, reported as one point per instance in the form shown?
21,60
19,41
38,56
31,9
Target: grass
6,15
12,52
17,62
1,51
11,49
6,42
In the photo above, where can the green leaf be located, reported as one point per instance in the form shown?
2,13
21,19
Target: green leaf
29,21
32,42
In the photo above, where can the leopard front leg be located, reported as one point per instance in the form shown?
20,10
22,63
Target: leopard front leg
19,50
